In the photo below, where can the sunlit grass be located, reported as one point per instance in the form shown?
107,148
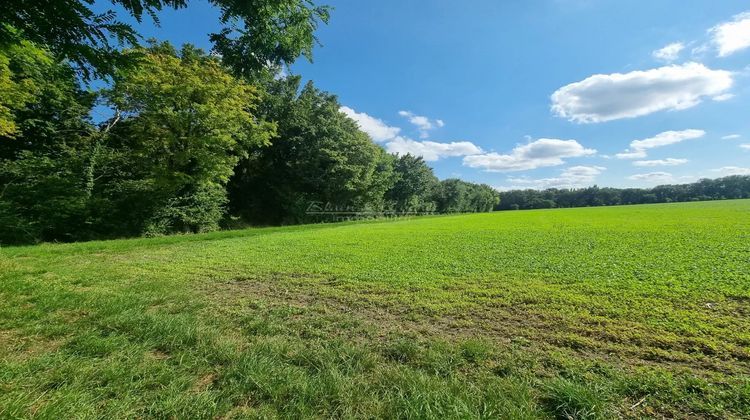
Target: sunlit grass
581,313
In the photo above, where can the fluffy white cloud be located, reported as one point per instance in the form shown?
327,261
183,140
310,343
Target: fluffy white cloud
731,137
666,138
381,132
638,148
606,97
733,36
423,124
573,177
431,150
723,97
670,52
731,170
375,128
745,146
537,154
661,162
652,177
631,154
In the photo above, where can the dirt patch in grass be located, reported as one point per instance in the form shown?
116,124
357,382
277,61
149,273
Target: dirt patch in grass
16,346
156,355
388,318
204,382
620,342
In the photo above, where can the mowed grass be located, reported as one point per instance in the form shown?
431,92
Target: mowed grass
638,311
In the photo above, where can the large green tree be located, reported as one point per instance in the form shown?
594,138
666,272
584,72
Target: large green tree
44,138
319,155
182,123
481,198
255,34
457,196
414,185
42,107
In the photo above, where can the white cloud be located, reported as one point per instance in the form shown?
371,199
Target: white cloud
730,37
661,162
670,52
731,137
431,150
723,97
375,128
638,148
700,51
537,154
573,177
652,177
423,124
745,146
381,132
731,170
631,154
666,138
606,97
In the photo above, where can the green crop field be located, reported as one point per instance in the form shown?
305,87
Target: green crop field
640,311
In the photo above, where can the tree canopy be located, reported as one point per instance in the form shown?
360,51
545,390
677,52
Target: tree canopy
318,155
185,123
255,34
414,185
46,128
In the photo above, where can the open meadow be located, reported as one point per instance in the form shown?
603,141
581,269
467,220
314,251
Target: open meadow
633,311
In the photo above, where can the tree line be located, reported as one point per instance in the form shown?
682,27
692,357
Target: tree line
730,187
191,141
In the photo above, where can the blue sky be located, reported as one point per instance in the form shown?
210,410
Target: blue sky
517,94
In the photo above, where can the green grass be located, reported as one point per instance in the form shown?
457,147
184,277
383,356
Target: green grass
640,311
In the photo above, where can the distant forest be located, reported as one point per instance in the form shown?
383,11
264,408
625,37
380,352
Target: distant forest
731,187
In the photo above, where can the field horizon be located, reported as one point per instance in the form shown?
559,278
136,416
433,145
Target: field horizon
633,311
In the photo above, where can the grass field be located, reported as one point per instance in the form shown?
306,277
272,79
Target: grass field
640,311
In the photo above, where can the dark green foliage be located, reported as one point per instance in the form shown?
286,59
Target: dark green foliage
482,198
72,30
53,114
413,186
42,199
41,159
159,166
456,196
255,35
318,156
452,196
731,187
185,124
321,160
266,34
198,208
